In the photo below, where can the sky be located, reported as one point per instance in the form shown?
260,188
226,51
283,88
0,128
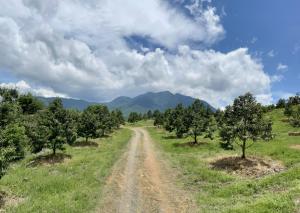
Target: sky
98,50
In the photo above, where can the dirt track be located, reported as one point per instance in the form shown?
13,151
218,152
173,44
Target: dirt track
142,182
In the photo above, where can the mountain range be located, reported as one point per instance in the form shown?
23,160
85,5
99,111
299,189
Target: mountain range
141,103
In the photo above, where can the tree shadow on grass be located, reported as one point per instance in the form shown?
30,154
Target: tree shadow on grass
85,144
49,159
189,144
170,137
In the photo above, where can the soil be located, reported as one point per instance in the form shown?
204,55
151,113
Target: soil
8,200
142,181
49,159
294,133
2,199
250,167
295,146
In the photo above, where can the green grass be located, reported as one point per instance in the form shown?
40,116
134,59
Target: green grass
218,191
72,186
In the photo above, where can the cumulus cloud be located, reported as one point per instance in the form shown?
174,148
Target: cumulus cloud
23,87
77,49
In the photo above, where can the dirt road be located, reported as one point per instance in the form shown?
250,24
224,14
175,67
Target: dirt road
142,182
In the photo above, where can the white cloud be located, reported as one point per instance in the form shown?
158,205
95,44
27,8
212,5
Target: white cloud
253,40
282,67
271,54
296,48
85,55
24,87
276,78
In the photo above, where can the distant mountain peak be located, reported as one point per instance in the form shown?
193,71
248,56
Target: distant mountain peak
141,103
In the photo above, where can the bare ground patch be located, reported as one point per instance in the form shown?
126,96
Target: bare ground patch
294,133
9,200
252,167
49,159
141,182
296,146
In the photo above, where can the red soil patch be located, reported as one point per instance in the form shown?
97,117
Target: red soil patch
250,167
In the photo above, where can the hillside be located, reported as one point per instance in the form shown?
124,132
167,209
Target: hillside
69,103
141,103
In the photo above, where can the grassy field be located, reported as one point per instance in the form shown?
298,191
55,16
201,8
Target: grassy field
218,191
71,186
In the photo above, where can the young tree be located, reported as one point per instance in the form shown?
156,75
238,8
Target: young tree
201,122
70,121
133,117
29,104
120,117
226,127
295,118
87,127
158,119
12,133
12,143
37,131
288,110
149,114
281,103
177,120
55,117
247,122
8,95
103,120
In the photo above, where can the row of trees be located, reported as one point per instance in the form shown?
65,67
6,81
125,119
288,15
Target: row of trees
135,117
194,120
26,125
242,123
291,108
293,100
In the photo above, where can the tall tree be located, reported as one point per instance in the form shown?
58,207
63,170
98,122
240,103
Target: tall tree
247,122
201,121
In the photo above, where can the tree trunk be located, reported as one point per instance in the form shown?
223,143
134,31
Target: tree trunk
54,148
244,149
195,139
86,139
